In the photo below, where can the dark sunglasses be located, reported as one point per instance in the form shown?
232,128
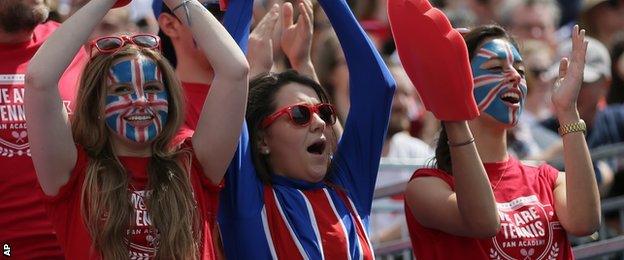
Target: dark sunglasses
301,114
111,44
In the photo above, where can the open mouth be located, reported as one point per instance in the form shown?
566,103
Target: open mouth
511,97
317,147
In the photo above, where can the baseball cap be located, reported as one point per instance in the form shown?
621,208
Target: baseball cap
597,60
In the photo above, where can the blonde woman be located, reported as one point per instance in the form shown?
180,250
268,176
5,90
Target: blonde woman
115,184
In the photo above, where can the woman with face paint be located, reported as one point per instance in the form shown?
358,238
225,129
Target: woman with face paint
115,184
536,206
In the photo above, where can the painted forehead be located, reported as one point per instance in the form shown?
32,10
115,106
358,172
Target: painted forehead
498,49
134,70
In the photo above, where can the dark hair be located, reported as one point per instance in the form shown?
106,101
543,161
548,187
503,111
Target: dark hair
261,103
473,39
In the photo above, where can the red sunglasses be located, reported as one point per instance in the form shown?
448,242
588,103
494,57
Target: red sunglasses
111,44
301,114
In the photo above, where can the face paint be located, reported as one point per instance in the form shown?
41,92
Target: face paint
497,88
137,101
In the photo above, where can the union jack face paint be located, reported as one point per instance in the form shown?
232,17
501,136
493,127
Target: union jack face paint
499,90
137,100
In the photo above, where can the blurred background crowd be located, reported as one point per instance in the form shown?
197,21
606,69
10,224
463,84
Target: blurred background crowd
542,30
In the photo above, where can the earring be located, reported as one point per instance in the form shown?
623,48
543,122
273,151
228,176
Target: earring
265,151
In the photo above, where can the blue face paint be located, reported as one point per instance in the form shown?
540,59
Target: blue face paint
137,101
493,84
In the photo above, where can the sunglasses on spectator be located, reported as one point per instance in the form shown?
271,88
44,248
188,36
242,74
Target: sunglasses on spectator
112,44
301,114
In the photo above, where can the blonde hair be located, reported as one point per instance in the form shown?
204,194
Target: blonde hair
105,202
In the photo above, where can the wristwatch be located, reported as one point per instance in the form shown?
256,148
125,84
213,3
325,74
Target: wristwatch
579,126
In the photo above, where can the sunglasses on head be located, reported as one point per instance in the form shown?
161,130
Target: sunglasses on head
301,114
111,44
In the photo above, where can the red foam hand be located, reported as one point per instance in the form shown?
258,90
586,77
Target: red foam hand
121,3
435,58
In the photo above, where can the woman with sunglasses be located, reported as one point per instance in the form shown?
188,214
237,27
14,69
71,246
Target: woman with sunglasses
290,193
115,185
450,214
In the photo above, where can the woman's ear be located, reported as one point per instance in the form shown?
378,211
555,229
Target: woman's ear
169,24
263,145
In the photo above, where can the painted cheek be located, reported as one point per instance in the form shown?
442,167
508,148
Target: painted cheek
488,85
136,72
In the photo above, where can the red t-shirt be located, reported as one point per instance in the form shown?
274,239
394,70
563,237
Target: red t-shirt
24,226
195,97
530,228
65,213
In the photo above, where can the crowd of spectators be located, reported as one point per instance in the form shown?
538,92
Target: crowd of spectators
542,30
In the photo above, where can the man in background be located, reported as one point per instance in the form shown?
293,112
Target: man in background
25,231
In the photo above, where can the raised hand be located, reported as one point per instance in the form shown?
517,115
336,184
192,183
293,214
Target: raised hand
296,39
435,58
568,84
260,52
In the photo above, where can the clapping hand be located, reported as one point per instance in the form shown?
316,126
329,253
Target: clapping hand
296,38
568,84
260,53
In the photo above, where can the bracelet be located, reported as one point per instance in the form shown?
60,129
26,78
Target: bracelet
186,10
184,3
579,126
471,140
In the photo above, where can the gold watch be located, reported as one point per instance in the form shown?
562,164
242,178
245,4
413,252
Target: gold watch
579,126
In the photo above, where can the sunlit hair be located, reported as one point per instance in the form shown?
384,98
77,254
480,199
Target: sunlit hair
263,90
105,199
473,39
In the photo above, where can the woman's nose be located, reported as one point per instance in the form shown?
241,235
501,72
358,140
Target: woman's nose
316,123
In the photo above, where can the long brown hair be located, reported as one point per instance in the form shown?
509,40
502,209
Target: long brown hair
105,202
473,39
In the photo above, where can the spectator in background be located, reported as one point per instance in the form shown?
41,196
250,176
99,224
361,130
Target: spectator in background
596,81
24,225
529,140
604,126
485,10
333,72
192,67
531,19
115,21
399,143
603,19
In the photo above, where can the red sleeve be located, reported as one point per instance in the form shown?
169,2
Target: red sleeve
431,172
550,173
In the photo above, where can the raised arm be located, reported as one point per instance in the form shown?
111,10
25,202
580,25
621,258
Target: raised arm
436,59
371,89
51,143
221,119
469,208
237,21
577,201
